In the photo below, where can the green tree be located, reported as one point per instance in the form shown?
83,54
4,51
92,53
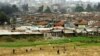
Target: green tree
8,9
89,8
3,18
25,7
47,10
95,7
55,10
63,11
98,7
15,8
79,8
40,9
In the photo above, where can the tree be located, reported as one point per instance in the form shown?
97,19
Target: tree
79,8
98,7
3,18
40,9
25,7
7,9
47,10
63,11
55,10
89,8
95,7
15,8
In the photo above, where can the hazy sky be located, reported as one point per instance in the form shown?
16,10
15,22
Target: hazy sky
67,0
89,0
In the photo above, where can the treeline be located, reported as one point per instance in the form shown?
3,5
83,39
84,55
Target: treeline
42,10
78,8
5,11
9,9
89,8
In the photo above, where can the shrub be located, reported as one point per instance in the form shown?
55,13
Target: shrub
10,39
31,39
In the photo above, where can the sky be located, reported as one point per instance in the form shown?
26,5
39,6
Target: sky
73,0
89,0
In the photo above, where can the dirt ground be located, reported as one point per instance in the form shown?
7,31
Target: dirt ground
61,50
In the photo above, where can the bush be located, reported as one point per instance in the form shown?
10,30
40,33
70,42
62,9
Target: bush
31,39
9,39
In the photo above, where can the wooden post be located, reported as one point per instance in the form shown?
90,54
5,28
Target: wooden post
41,49
26,50
74,47
14,51
58,52
31,50
53,47
64,50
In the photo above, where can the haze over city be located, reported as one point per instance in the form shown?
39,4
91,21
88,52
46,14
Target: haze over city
16,1
66,0
50,27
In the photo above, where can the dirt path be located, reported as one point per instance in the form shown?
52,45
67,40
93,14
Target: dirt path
51,51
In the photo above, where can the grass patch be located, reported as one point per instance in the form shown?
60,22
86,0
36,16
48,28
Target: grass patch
79,41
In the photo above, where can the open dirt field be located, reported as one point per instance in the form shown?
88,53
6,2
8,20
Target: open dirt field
50,50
